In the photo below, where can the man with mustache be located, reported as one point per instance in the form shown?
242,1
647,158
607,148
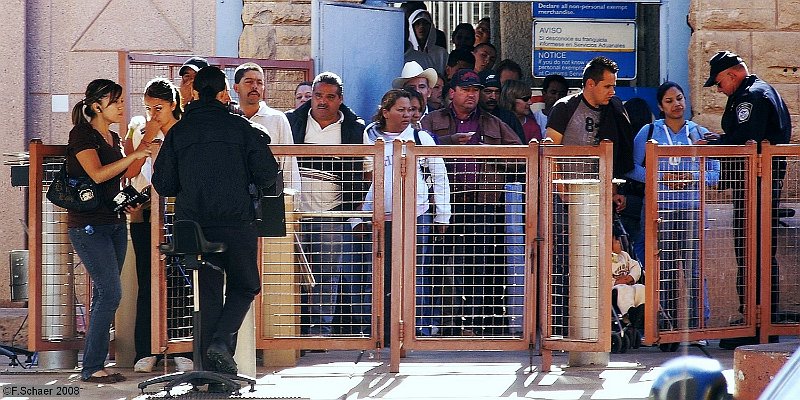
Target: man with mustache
478,208
489,102
329,184
249,85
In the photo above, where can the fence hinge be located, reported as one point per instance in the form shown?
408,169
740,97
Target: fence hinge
759,164
403,166
758,317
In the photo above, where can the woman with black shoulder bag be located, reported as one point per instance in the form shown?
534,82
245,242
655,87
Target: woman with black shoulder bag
99,236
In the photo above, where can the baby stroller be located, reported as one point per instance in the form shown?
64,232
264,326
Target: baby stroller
626,325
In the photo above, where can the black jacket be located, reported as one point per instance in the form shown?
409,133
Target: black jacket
208,160
348,170
614,126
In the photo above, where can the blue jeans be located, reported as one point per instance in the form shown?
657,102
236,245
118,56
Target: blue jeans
323,239
427,313
102,250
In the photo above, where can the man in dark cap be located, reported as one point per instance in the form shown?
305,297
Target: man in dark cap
489,101
477,204
187,73
754,111
208,162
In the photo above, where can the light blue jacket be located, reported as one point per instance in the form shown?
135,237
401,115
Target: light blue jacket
670,198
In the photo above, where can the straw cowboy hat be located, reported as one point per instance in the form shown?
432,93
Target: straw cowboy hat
412,69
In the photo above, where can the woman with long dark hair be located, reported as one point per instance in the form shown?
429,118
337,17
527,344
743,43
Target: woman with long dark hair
100,236
162,104
679,182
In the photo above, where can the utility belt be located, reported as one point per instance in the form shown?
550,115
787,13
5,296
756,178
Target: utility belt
632,187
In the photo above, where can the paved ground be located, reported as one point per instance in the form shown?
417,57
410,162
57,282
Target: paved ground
423,375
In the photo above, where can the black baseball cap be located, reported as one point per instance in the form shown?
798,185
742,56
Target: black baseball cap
720,62
465,78
490,78
195,63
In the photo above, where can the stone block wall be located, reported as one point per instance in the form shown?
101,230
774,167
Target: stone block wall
276,29
763,33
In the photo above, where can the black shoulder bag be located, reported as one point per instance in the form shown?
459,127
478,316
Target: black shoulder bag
74,194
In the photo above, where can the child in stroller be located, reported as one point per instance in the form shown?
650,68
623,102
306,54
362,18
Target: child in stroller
627,295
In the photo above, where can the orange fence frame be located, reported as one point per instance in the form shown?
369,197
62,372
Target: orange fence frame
767,327
603,344
406,233
38,152
652,302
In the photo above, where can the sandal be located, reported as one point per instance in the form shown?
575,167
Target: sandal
106,379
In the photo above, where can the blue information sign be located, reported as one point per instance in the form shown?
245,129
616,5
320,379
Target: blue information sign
570,64
583,10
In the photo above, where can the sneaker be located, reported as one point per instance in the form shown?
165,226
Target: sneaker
183,364
145,364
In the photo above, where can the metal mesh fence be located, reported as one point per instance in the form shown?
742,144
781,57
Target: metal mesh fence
576,236
317,281
684,228
65,287
701,218
784,266
280,77
470,279
178,284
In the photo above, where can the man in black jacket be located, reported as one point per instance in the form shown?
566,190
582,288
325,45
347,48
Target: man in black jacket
327,184
754,111
586,118
208,161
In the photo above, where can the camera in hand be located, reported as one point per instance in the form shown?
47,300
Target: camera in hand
130,197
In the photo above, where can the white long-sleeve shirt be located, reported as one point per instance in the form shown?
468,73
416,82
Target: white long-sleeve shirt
436,166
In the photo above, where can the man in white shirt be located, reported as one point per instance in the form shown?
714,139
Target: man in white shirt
249,85
331,185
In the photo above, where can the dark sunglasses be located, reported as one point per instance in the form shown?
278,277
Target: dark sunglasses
525,99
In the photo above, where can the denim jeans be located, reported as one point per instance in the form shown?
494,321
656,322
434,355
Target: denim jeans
102,251
323,239
427,312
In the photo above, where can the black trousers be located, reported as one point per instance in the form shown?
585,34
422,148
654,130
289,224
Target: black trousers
739,220
222,313
140,237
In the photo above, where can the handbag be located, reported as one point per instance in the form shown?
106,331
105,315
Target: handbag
74,194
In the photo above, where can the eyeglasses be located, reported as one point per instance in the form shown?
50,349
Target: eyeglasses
525,99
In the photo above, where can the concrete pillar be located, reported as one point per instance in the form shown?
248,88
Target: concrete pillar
516,31
58,288
246,345
584,231
125,319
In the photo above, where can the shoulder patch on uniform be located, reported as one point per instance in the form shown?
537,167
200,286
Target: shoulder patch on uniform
743,112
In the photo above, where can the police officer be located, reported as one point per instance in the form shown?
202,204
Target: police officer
754,111
208,161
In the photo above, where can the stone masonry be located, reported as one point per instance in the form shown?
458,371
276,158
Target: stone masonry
276,29
763,33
